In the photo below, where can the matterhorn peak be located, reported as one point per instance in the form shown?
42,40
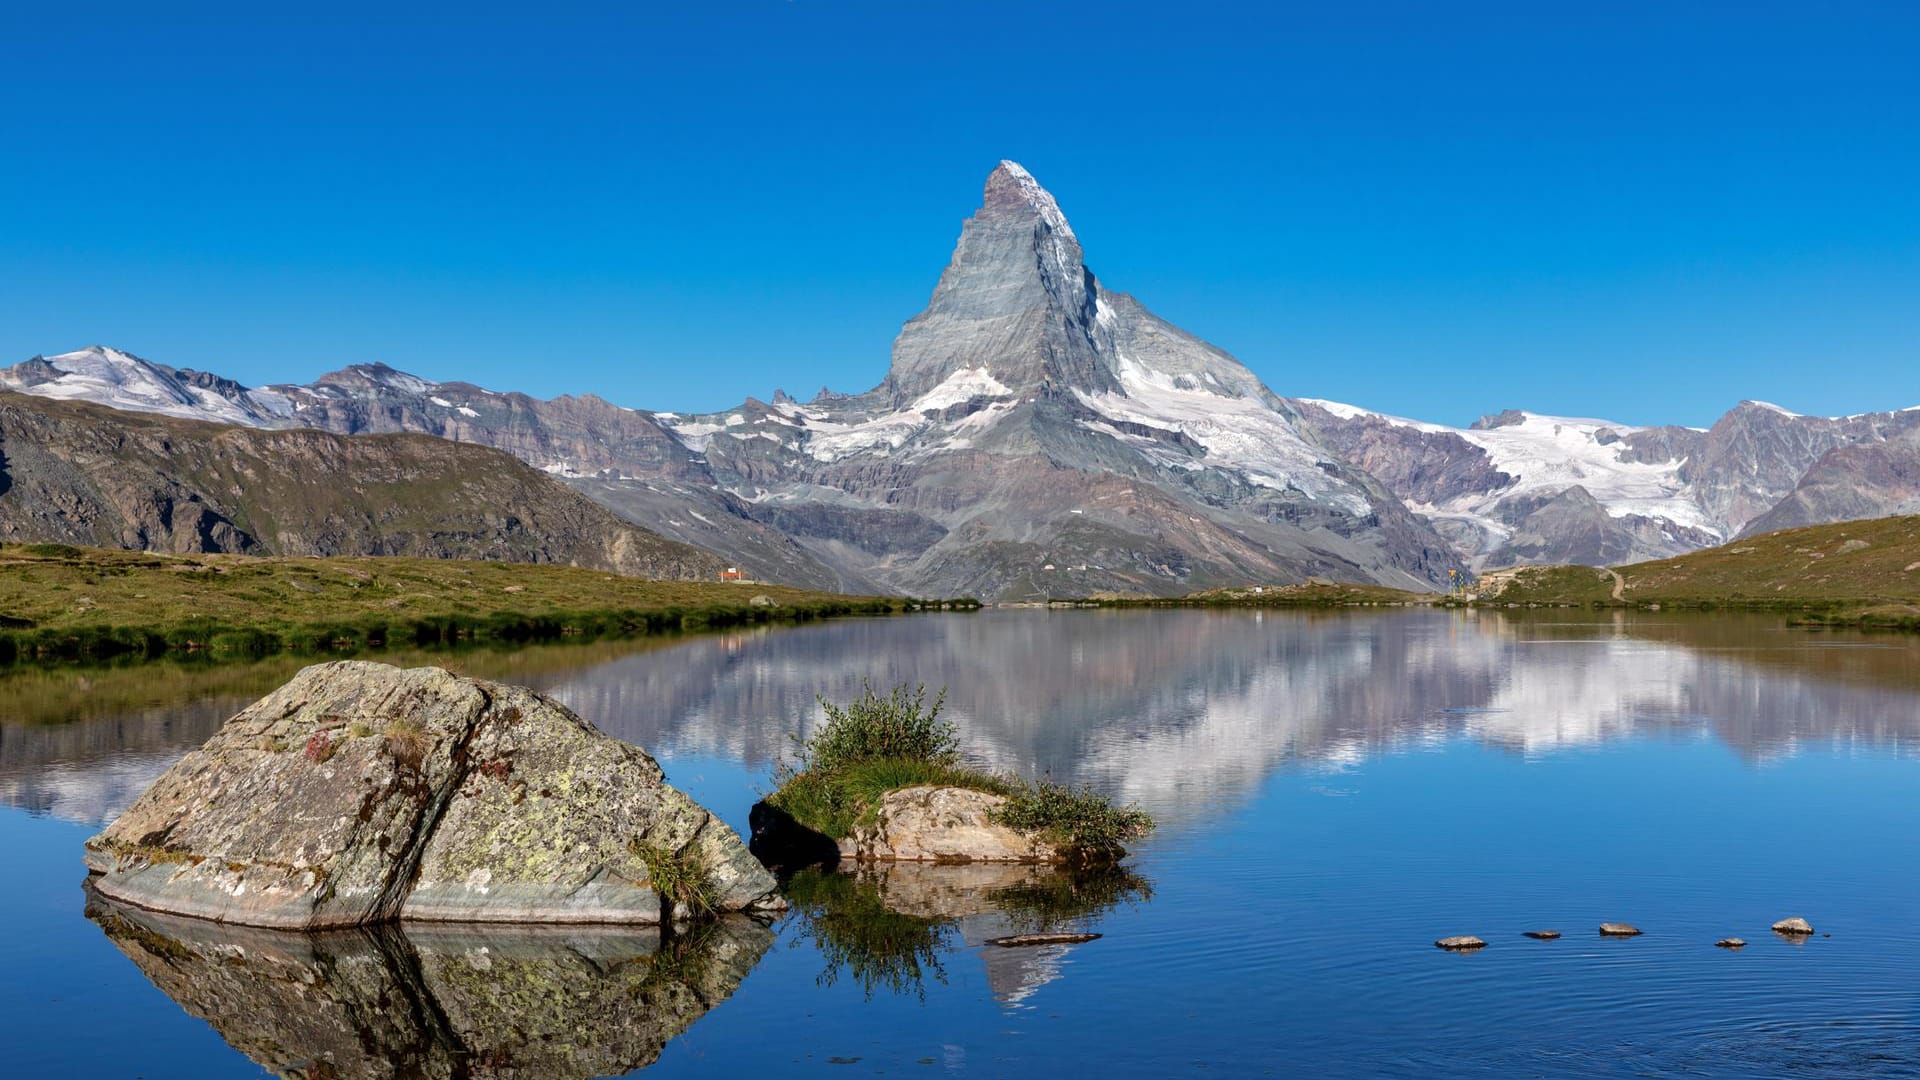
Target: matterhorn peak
1011,189
1015,302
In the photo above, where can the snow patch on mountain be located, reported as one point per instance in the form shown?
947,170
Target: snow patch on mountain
1547,455
961,386
124,381
1239,433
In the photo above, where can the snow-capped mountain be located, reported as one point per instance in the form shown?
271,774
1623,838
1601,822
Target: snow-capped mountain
1520,487
1040,434
124,381
1036,434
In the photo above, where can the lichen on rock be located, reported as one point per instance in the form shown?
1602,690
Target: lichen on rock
359,793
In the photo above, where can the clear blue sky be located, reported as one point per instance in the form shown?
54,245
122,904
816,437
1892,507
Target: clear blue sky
1433,209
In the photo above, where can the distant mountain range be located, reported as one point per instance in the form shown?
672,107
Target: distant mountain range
77,473
1038,434
1520,488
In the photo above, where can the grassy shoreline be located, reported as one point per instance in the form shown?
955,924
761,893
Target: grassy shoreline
1311,594
1863,574
67,604
1855,574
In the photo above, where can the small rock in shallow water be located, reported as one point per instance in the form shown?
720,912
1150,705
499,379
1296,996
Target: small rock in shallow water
1543,935
1730,943
1619,929
1018,941
1460,943
1795,925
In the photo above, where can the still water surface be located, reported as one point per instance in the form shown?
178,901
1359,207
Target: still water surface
1334,792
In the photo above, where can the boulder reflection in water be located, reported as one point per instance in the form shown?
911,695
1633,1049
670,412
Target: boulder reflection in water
444,1000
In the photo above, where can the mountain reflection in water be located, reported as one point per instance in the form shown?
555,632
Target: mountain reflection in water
1185,712
440,1001
1188,711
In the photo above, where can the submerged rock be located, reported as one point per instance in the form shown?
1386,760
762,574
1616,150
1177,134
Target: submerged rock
1028,941
943,824
1795,925
440,1001
1542,935
359,793
1619,929
1730,943
1460,943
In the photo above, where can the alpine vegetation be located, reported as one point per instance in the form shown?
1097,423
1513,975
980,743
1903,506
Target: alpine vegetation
883,779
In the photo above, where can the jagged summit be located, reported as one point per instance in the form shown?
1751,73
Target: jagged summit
1016,306
1012,190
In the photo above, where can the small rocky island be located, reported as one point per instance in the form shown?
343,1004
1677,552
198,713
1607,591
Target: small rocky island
360,793
882,780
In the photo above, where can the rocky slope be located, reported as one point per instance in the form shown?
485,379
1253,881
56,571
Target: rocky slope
1870,480
622,458
79,473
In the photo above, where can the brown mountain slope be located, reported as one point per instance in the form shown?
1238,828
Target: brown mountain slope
85,474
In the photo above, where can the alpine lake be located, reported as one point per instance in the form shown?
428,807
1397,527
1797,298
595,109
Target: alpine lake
1334,791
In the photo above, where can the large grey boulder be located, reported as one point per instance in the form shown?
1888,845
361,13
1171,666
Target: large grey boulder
359,793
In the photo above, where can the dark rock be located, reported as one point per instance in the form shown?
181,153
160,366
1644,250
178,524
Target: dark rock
1619,929
1543,935
1730,943
1022,941
784,845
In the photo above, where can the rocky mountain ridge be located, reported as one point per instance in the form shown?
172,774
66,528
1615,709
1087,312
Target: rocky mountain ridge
79,473
1517,487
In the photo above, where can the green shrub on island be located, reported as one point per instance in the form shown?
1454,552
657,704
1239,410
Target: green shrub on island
875,745
1077,819
900,726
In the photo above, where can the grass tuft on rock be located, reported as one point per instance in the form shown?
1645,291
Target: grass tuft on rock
876,745
679,877
407,742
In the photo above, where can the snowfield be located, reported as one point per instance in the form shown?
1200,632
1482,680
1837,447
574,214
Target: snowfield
1549,454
